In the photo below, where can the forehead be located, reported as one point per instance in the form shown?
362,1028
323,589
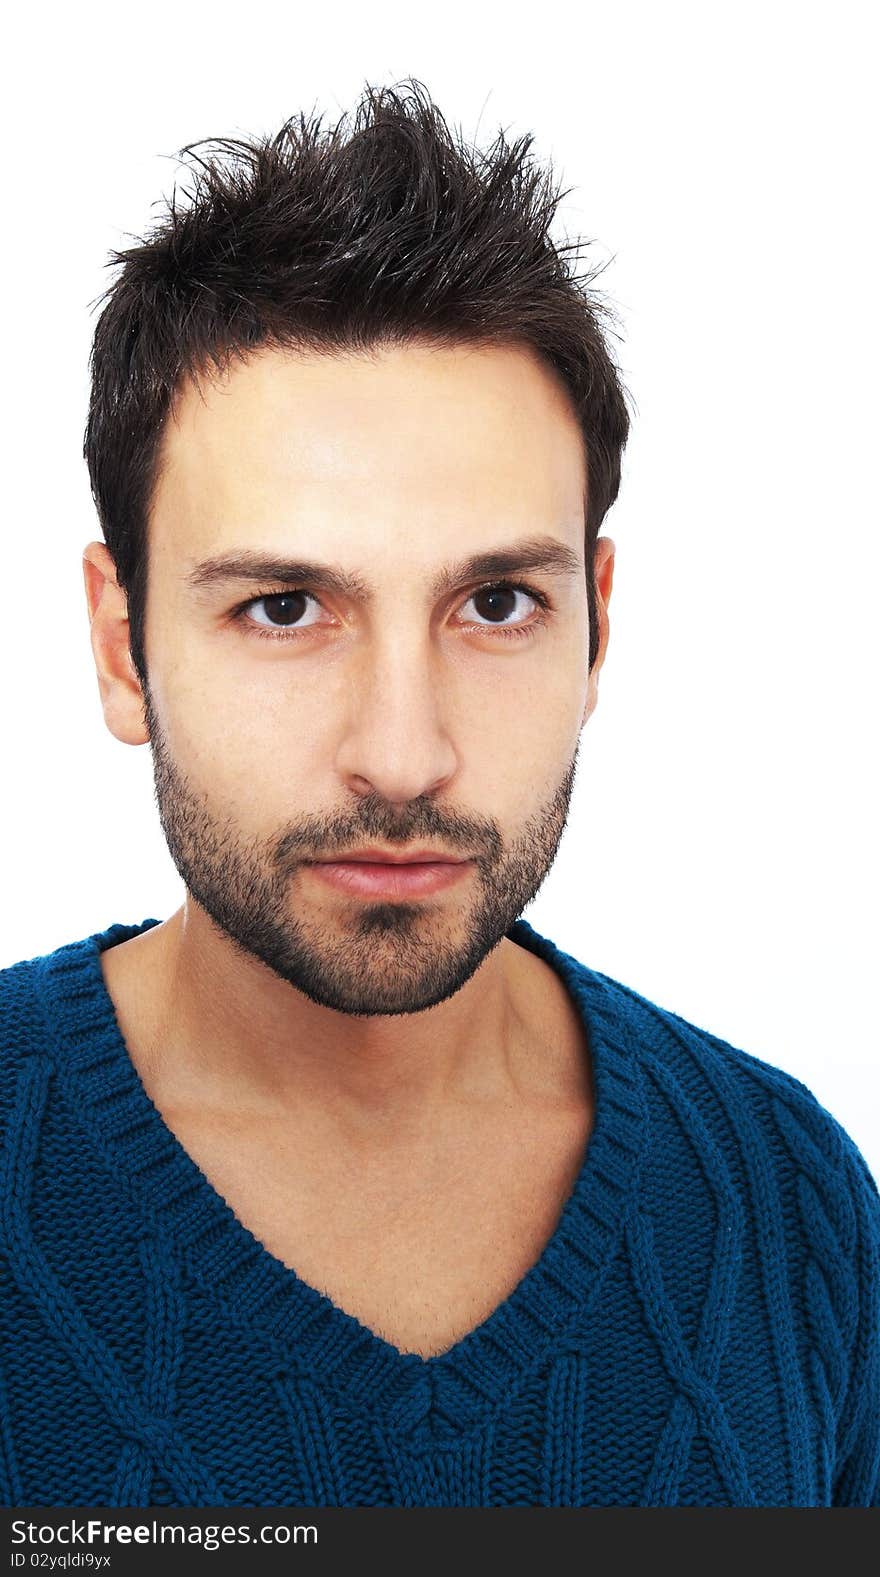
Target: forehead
401,444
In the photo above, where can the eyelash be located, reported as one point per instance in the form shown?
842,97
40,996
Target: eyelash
506,632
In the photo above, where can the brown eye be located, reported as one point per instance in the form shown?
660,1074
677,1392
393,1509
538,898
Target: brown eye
497,605
283,609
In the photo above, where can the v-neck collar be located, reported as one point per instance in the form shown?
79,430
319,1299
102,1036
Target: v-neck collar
308,1334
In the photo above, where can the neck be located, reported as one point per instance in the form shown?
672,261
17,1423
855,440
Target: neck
210,1026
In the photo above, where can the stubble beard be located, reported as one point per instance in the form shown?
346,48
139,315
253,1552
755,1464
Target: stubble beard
378,958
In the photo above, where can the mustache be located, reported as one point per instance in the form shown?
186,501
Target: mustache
377,822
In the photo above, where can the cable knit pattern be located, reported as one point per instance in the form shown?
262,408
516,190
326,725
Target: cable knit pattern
702,1327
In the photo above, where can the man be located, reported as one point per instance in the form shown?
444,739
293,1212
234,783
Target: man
342,1185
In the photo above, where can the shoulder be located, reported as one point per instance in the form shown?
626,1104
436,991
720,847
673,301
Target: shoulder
717,1090
24,1016
750,1088
37,995
760,1132
812,1203
19,1004
809,1188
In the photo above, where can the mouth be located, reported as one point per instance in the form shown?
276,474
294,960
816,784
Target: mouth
379,875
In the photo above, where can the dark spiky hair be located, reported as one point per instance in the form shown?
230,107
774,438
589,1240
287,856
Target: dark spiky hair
382,228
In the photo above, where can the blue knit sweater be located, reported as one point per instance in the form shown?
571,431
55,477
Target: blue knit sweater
701,1329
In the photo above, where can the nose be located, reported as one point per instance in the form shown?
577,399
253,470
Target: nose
395,742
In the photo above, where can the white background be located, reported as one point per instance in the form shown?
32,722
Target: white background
721,856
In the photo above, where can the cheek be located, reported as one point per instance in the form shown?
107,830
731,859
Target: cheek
516,742
272,750
249,741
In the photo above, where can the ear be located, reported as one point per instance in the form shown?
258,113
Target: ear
604,573
121,695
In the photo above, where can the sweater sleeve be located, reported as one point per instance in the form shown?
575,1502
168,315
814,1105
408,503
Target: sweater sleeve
857,1463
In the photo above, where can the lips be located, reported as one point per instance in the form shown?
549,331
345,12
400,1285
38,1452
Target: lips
388,878
374,855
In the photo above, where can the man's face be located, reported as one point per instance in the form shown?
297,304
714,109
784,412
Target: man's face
393,695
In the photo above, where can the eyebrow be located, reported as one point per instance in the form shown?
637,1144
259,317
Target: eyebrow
544,553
